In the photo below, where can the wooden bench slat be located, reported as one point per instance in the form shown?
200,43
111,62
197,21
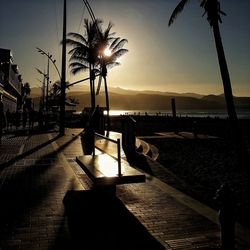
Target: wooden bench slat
103,170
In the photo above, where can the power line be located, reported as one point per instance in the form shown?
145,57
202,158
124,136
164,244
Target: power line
83,12
57,28
91,13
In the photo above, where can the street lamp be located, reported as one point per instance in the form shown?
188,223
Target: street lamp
49,56
62,109
45,76
42,52
62,76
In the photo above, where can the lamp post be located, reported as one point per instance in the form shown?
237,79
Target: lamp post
43,87
62,76
50,59
47,87
42,92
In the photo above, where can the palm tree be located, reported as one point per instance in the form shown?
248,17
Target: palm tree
84,53
106,41
213,12
88,53
25,91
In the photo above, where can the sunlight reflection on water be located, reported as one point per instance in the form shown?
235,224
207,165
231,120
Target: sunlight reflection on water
242,114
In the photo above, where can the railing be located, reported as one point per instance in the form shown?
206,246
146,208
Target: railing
118,142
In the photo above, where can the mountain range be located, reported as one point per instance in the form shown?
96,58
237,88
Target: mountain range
124,99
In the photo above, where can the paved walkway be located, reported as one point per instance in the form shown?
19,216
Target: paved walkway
45,204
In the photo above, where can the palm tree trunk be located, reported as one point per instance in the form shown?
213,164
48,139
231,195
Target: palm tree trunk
225,75
107,102
93,94
236,132
92,91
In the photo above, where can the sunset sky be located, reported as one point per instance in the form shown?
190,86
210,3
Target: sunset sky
181,58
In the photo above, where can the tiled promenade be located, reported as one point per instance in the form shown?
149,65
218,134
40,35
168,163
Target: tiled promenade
44,204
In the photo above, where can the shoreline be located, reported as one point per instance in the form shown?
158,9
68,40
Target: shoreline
148,125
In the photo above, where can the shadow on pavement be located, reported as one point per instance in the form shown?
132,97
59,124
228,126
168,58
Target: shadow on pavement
25,154
23,192
96,222
33,150
140,161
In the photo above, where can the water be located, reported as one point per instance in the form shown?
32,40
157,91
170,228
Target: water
242,114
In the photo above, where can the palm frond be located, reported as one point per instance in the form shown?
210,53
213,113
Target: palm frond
77,67
78,64
106,33
213,11
76,45
118,54
115,41
83,61
178,9
119,45
112,64
77,37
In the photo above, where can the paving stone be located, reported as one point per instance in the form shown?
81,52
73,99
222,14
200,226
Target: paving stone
33,187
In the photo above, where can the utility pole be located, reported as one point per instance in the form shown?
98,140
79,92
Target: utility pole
43,102
47,87
63,74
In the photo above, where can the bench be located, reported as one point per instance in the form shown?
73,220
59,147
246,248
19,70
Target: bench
106,172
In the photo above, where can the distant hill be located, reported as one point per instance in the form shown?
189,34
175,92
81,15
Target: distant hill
240,102
159,102
150,100
122,91
116,90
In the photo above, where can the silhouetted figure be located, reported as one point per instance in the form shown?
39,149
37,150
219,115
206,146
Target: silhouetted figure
17,118
2,118
128,136
11,119
8,119
41,119
25,117
226,216
31,118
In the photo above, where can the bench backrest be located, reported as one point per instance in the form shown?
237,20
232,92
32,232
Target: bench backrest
118,143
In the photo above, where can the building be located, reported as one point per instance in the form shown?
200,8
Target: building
10,81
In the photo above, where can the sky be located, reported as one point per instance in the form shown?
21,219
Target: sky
181,58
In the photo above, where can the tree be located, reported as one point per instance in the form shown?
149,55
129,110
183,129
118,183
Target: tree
88,53
213,12
84,54
25,91
114,46
55,93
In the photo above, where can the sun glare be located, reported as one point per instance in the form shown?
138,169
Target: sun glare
107,52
